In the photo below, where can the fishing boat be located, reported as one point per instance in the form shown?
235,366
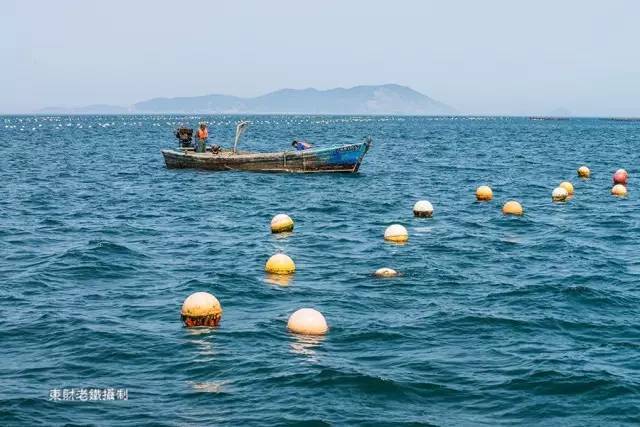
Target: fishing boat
340,158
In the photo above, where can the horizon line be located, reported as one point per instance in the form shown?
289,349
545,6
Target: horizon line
462,115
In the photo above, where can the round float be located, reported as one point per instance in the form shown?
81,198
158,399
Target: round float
567,186
201,309
280,264
620,177
396,233
423,209
484,193
307,321
386,272
281,223
559,194
584,172
512,208
619,190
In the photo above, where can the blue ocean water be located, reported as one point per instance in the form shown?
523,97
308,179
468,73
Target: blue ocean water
495,320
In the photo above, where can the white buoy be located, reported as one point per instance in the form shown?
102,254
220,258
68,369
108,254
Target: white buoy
396,233
307,321
281,223
423,209
386,272
619,190
559,194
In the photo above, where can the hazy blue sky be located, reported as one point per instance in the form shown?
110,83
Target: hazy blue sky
479,56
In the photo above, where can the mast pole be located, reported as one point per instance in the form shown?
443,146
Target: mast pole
240,128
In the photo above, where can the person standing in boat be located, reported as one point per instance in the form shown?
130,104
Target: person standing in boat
301,145
201,138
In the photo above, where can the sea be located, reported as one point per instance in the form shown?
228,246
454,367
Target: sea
494,320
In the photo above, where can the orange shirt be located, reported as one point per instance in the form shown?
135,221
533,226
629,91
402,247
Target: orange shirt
203,133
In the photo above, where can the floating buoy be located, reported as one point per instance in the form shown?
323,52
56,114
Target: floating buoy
423,209
567,186
280,264
201,309
307,321
281,223
620,177
484,193
512,208
396,233
584,172
386,272
559,194
619,190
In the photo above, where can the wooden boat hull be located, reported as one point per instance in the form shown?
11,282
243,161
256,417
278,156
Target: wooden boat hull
346,158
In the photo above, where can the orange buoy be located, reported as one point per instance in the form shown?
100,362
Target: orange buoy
512,208
484,193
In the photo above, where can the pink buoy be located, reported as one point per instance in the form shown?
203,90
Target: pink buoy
620,177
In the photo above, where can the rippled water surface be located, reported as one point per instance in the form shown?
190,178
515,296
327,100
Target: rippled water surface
495,320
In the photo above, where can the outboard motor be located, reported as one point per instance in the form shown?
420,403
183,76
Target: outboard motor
185,136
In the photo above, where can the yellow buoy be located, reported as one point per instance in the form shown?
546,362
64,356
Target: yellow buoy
280,264
386,272
512,208
584,172
567,186
201,309
281,223
396,233
423,208
307,321
559,194
619,190
484,193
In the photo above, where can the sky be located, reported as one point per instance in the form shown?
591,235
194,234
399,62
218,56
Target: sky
481,57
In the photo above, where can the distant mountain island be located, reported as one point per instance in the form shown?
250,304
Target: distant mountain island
382,99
